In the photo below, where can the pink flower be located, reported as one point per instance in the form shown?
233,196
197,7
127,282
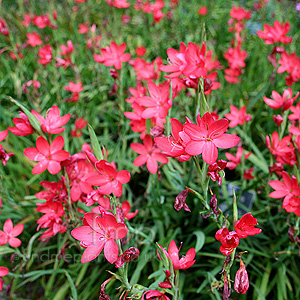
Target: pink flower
3,272
285,101
148,154
237,117
97,233
234,161
288,188
34,39
275,34
53,120
208,136
23,126
109,180
9,233
113,55
48,156
45,54
184,262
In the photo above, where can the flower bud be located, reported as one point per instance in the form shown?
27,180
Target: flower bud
241,282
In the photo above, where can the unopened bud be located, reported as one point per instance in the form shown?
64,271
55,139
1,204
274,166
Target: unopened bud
241,282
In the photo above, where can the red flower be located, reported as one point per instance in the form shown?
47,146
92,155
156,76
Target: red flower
126,208
154,295
67,50
236,57
208,136
202,11
34,39
174,146
3,272
109,180
275,34
234,161
53,120
248,174
45,54
113,55
245,226
99,232
291,65
279,147
9,233
285,101
83,28
229,240
237,117
48,156
3,27
41,21
241,282
140,51
3,135
239,13
148,154
184,262
296,112
128,256
215,168
23,126
27,20
53,212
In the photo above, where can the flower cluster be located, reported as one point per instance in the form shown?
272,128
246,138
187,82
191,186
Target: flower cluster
243,227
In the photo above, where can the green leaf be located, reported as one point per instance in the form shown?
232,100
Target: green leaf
72,285
95,143
200,240
32,119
